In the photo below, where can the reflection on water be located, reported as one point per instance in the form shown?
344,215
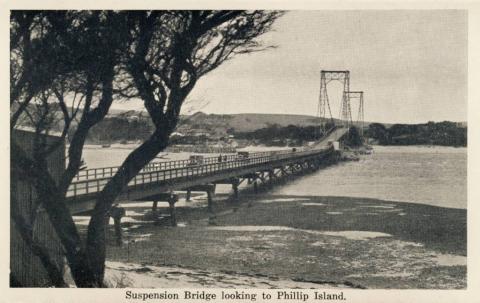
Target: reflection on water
428,175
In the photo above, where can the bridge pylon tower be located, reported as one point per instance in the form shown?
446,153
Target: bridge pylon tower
324,111
358,95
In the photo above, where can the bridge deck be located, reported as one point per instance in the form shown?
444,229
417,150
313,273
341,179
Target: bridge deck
161,177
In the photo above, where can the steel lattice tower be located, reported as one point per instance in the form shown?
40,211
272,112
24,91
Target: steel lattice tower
324,104
360,118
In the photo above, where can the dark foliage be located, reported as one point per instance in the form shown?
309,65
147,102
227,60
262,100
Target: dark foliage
124,130
353,138
441,133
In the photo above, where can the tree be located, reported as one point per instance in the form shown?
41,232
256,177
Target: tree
157,56
170,51
378,132
39,99
353,137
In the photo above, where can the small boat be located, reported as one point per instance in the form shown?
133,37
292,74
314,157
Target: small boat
105,145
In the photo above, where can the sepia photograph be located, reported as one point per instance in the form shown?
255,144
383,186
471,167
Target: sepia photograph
201,155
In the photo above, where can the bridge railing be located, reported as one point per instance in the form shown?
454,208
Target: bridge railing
148,177
103,172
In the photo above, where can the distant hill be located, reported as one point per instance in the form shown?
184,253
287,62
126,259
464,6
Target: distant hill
129,125
249,122
136,125
246,122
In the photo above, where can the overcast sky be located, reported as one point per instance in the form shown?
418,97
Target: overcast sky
412,66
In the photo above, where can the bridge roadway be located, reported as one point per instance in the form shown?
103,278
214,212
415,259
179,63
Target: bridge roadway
161,177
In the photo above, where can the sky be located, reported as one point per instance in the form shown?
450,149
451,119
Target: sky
411,65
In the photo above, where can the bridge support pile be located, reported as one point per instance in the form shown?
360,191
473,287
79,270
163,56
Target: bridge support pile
168,197
209,189
117,213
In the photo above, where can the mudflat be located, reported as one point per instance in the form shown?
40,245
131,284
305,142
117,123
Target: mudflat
324,241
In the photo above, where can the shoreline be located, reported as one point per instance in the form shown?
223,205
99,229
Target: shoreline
365,242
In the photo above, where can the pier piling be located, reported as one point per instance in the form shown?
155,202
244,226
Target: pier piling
117,213
171,204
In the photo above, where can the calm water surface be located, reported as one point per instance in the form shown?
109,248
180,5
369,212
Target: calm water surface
96,156
427,175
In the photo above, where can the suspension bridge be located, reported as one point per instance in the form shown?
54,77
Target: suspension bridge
161,181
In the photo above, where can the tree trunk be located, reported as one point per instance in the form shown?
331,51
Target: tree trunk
65,228
96,242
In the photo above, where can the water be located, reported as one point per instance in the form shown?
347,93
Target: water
427,175
348,234
97,156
